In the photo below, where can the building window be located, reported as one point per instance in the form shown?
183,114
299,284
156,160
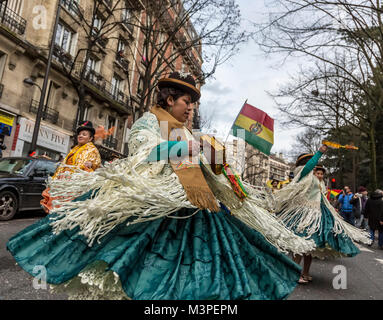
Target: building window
140,87
64,38
93,64
3,59
121,47
16,6
97,25
116,88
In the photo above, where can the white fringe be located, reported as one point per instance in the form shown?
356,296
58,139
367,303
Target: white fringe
298,212
255,216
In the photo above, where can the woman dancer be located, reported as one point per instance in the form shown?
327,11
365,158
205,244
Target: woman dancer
303,207
155,226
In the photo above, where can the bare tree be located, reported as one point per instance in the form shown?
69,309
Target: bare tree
343,40
189,32
98,25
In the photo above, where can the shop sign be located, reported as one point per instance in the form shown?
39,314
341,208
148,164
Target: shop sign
47,138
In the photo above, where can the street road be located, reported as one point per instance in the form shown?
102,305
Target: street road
364,273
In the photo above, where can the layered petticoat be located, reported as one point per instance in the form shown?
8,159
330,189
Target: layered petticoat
207,256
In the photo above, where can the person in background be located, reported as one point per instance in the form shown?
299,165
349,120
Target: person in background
274,185
373,211
359,201
83,156
2,146
346,208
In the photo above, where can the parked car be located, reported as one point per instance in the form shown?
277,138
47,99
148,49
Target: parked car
22,180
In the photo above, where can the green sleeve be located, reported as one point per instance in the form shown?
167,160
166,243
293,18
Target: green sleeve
168,149
310,165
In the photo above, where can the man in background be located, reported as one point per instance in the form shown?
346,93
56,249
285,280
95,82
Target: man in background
346,208
359,201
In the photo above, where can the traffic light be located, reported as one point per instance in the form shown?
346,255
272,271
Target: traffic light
333,183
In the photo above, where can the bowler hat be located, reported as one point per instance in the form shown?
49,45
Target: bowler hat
182,81
303,156
86,125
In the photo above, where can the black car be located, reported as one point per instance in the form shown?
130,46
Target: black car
22,180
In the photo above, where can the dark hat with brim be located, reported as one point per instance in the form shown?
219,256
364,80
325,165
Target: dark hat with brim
86,125
183,82
304,156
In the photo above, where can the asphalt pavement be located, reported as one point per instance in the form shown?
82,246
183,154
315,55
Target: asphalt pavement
357,278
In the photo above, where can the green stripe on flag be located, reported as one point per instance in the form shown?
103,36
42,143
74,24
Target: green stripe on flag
252,139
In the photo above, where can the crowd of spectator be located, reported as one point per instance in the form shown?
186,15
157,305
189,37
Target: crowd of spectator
362,210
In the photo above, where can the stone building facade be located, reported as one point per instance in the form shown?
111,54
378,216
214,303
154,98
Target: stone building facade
111,83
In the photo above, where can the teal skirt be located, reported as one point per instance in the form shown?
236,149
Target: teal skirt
206,256
325,238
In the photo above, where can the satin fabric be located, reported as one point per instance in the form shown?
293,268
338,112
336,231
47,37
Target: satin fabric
207,256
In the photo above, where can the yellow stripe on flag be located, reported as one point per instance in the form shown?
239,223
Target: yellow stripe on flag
246,123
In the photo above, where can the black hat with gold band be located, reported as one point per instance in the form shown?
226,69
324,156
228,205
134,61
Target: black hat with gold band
303,158
181,81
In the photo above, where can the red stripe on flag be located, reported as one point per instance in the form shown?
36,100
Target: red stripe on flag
258,115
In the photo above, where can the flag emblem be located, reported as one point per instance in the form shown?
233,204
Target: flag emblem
256,128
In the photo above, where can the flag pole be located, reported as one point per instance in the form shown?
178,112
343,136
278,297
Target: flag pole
235,121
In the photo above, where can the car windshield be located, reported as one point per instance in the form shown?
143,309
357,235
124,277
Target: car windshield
18,166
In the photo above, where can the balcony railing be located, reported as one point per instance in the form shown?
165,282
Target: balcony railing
48,113
72,6
11,19
110,142
98,81
122,61
62,56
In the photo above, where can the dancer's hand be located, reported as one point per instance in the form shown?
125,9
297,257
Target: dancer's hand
323,148
88,164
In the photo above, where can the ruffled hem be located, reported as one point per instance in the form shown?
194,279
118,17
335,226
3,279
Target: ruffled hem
208,256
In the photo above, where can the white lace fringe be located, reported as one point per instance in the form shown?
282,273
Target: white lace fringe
296,211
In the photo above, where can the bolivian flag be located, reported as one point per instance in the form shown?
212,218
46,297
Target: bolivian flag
259,128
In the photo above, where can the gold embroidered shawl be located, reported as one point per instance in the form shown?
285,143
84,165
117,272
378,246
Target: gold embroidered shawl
187,170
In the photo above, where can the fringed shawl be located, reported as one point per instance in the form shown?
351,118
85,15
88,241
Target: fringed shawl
298,206
140,191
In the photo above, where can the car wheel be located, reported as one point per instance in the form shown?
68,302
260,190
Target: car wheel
8,205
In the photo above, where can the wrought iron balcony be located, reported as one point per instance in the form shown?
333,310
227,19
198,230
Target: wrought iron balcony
121,60
48,113
11,19
105,87
73,7
110,142
62,56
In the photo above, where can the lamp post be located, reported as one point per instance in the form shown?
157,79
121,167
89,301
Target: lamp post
45,84
30,82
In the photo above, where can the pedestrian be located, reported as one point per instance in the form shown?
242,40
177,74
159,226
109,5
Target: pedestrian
84,156
346,208
2,146
373,211
359,201
151,226
304,208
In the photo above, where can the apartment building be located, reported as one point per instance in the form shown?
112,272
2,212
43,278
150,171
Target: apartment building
259,168
104,80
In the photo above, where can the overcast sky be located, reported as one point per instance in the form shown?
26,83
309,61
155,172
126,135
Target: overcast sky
248,76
